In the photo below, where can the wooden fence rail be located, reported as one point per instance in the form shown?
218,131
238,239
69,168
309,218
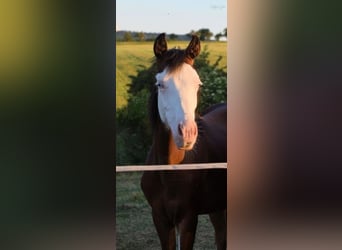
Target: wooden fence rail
195,166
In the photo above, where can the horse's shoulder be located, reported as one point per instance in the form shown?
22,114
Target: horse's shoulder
214,125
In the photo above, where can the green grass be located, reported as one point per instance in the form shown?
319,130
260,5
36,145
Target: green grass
134,226
132,56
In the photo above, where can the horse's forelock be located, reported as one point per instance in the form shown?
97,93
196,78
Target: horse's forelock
172,59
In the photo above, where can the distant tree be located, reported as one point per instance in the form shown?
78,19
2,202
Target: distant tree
140,36
173,36
218,36
221,34
204,34
127,36
225,32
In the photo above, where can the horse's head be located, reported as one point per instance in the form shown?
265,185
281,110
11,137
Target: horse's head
178,84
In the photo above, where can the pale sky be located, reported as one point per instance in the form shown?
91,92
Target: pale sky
173,16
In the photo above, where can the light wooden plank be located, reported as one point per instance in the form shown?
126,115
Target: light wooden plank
197,166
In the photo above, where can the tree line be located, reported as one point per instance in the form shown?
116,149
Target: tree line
204,34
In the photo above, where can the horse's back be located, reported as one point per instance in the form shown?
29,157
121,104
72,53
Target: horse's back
222,107
216,114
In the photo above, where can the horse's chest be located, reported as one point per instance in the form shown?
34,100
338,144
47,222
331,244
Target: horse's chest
198,191
180,188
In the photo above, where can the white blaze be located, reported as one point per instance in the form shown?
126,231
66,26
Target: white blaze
177,98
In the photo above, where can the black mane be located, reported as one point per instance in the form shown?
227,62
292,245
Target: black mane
153,112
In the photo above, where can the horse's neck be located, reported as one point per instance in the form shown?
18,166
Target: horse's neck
165,149
175,156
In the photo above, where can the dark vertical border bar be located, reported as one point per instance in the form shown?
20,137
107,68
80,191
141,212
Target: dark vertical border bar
285,125
57,125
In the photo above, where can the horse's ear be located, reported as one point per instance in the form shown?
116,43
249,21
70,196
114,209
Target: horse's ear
160,45
194,47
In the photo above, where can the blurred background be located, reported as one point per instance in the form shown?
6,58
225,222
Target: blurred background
57,102
284,126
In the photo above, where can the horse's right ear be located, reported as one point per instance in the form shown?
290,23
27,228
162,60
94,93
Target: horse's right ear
160,45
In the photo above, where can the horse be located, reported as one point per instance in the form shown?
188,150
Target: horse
182,136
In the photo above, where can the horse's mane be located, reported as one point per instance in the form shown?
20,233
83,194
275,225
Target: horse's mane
153,108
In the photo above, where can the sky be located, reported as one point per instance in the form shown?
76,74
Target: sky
172,16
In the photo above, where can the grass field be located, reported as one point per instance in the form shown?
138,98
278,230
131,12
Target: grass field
134,226
132,56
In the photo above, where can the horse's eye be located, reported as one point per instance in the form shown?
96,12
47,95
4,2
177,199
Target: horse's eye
160,85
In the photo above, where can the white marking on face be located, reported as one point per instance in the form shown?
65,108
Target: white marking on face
177,100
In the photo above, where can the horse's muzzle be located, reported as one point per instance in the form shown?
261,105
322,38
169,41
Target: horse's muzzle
187,133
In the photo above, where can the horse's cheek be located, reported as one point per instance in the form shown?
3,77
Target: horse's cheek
189,103
162,108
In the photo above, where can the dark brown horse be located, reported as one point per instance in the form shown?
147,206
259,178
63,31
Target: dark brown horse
181,136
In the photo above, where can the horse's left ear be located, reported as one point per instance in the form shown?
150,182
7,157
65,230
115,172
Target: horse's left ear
194,47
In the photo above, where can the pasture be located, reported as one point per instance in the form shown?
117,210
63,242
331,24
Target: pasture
132,56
